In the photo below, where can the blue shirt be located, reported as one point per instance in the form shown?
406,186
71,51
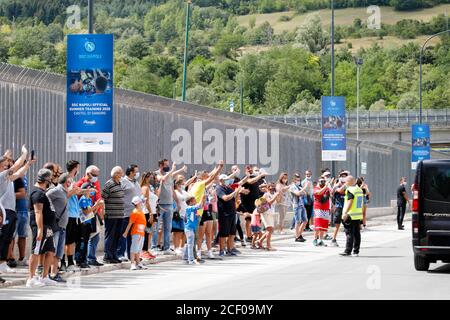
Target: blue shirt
74,207
21,204
191,222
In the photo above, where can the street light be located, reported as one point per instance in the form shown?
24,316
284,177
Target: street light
421,72
186,45
90,155
359,62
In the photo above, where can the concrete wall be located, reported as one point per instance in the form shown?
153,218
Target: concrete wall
32,111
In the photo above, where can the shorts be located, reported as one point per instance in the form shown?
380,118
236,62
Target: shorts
59,238
47,244
206,216
7,233
255,229
227,225
268,219
214,215
22,224
338,216
72,231
320,224
300,215
137,243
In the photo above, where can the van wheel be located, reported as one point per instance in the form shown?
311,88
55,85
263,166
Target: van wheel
421,263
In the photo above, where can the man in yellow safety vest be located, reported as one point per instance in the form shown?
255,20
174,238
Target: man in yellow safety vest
352,216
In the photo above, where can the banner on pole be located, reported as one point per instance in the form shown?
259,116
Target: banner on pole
420,135
334,146
90,93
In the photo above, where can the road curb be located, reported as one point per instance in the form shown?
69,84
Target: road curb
96,270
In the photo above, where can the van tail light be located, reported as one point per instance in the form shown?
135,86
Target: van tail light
415,204
415,226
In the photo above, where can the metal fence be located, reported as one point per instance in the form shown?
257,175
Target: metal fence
373,120
33,111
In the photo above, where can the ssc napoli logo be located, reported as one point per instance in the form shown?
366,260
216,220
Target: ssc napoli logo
333,103
89,46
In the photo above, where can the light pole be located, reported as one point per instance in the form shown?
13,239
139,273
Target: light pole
421,71
186,45
359,63
242,96
90,155
332,68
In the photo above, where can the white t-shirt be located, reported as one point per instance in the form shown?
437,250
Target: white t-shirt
182,197
153,198
8,198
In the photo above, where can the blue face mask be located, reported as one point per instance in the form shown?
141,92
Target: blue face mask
93,193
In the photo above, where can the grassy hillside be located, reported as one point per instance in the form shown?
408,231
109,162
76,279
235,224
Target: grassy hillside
343,17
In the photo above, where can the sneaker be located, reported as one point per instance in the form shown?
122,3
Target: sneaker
321,244
133,266
48,282
34,282
22,263
178,251
142,267
315,242
84,265
231,254
95,263
210,255
123,259
4,268
334,243
300,239
236,251
12,263
222,254
345,254
243,244
355,254
327,237
72,268
58,278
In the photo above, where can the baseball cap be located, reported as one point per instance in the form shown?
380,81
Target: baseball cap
136,200
223,177
44,175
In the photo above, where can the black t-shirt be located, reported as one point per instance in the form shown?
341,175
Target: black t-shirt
38,195
225,207
400,198
248,200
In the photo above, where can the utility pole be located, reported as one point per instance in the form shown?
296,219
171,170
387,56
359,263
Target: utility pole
242,96
90,155
186,46
333,169
358,62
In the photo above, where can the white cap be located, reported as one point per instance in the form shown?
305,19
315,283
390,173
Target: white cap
136,200
223,177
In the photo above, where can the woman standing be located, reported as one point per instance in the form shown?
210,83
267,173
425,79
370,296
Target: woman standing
178,221
268,217
281,188
147,182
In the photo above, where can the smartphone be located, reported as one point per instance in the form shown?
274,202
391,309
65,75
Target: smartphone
32,154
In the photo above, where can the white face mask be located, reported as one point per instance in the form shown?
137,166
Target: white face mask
94,179
138,174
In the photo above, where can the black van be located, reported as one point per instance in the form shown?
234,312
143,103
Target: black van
431,213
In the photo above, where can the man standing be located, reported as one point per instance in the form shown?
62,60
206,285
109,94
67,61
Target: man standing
91,178
113,195
131,189
402,200
21,190
59,197
9,172
352,216
227,214
42,219
309,203
339,193
165,176
298,201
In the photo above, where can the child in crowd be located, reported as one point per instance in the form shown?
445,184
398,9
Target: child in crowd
255,225
138,222
190,226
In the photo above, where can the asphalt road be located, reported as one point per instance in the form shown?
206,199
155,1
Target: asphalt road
384,270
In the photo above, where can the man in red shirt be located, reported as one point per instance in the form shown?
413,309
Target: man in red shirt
91,177
322,194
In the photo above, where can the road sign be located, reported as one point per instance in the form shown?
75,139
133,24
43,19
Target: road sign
334,146
420,136
90,93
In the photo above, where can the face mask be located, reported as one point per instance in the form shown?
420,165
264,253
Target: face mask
93,193
94,179
183,187
166,169
228,182
138,174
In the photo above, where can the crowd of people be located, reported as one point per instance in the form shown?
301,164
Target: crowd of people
162,212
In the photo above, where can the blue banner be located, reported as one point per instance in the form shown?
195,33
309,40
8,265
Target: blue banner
90,60
334,146
420,135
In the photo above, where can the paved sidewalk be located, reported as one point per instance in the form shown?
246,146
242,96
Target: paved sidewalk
19,278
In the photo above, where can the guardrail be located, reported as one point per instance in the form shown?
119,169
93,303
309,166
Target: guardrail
373,120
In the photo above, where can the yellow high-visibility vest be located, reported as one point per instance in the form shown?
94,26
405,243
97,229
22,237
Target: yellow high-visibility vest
356,209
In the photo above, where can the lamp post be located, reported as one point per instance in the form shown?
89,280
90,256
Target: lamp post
186,45
359,63
421,71
242,96
333,169
90,155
